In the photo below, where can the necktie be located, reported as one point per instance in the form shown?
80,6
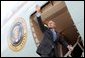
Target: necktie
54,35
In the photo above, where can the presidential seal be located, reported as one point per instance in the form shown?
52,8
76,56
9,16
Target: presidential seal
18,35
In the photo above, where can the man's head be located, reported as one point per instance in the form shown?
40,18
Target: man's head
51,24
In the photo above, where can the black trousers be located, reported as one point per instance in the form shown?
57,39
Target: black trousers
52,54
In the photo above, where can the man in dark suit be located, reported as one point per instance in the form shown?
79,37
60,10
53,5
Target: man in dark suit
50,38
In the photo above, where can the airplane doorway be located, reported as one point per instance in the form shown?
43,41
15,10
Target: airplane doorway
58,12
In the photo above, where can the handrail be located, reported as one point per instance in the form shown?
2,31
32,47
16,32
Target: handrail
69,52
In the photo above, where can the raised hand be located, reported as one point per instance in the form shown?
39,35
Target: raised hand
38,9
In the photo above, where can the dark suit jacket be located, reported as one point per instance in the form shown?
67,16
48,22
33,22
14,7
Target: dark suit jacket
47,43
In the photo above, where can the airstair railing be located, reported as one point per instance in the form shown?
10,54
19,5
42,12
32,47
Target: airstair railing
77,43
